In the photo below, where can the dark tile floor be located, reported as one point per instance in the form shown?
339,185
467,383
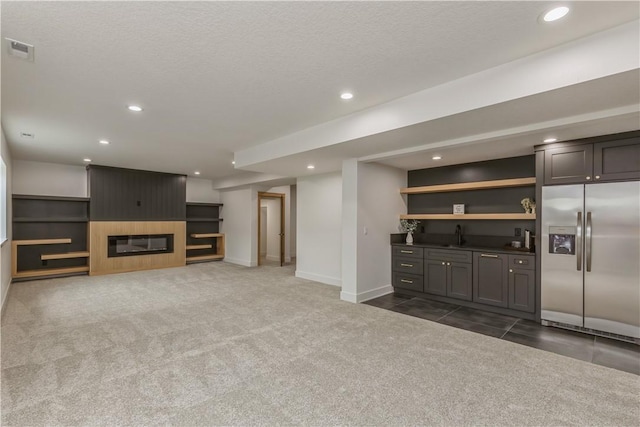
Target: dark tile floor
602,351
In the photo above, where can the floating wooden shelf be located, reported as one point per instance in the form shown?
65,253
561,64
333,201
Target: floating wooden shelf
40,242
190,247
502,216
478,185
204,257
68,255
206,235
50,272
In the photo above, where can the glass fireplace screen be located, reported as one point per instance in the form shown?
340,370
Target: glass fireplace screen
140,245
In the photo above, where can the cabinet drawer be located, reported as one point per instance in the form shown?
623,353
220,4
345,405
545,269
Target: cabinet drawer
408,265
407,281
449,255
523,262
407,252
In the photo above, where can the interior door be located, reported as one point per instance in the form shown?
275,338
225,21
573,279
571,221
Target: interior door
562,259
282,230
612,258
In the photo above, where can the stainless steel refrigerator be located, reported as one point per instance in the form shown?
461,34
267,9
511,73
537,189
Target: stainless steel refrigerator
591,257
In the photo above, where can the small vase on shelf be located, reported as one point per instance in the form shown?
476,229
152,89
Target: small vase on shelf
409,238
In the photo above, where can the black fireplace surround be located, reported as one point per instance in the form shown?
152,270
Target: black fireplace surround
145,244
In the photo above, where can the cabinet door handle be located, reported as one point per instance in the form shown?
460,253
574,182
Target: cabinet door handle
406,252
489,256
406,281
406,265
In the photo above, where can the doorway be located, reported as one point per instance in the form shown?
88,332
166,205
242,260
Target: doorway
271,227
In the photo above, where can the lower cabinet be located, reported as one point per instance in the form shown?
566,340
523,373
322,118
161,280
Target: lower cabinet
491,279
448,278
522,290
496,279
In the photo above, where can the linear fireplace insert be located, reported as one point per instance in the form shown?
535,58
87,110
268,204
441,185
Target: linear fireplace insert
145,244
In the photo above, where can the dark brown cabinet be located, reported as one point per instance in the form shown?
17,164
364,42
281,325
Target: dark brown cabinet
568,165
407,267
435,273
522,290
449,273
504,280
490,279
617,159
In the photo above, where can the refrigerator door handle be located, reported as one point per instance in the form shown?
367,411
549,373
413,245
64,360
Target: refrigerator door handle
579,241
587,241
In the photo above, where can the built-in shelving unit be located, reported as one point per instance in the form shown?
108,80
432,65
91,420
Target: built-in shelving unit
465,186
50,236
471,186
204,241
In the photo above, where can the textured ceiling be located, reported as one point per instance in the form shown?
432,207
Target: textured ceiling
216,77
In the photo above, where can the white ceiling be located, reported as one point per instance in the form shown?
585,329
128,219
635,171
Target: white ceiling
217,77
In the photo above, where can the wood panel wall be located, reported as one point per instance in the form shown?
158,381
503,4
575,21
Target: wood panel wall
99,231
133,195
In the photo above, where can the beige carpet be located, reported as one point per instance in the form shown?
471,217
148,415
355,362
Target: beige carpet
217,344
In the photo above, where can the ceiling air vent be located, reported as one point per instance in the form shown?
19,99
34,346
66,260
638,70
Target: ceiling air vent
20,50
28,135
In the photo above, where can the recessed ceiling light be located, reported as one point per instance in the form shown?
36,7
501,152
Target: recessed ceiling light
310,167
346,95
233,162
104,142
555,14
550,140
86,160
134,108
197,172
437,157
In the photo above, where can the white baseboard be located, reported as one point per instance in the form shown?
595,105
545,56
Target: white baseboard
237,261
335,281
367,295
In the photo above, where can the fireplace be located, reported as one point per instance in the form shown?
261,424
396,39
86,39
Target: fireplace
145,244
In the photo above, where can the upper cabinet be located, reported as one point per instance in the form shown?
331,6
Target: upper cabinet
615,160
597,159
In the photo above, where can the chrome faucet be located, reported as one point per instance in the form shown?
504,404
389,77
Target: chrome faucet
459,235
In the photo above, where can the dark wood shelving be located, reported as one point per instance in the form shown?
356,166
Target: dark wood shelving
204,219
204,204
53,198
23,219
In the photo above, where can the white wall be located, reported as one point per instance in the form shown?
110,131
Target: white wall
49,179
202,191
319,228
272,229
5,251
240,226
367,269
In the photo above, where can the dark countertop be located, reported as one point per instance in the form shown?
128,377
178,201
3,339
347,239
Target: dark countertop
501,250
